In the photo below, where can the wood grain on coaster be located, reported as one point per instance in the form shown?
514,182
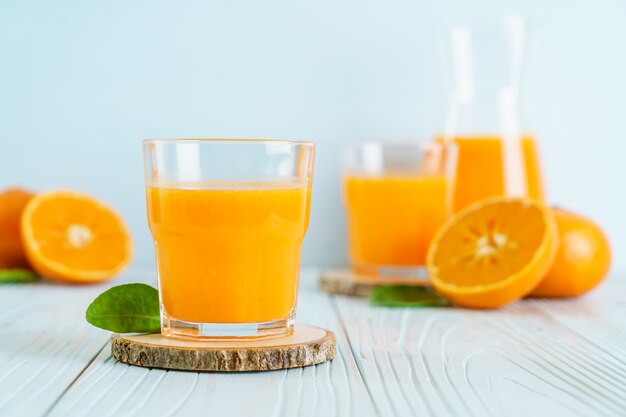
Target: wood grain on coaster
308,345
344,282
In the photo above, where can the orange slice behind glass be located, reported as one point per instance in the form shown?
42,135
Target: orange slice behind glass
493,252
71,237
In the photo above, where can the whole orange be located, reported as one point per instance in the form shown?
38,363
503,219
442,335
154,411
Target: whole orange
12,203
583,258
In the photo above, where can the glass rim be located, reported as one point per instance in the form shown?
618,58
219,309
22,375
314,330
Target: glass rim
227,140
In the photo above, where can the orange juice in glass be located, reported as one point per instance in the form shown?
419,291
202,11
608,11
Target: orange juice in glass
396,194
228,218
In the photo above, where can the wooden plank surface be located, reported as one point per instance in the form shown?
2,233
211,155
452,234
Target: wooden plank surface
537,357
45,344
110,388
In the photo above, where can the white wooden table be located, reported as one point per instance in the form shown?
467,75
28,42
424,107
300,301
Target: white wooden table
535,358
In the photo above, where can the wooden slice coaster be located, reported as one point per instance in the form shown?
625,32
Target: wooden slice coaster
344,282
308,345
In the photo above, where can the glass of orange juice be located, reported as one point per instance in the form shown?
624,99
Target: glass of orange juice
397,194
228,217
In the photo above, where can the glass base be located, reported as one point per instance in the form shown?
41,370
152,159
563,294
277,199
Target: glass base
226,331
416,273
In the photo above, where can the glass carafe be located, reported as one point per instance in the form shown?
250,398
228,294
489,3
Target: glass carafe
496,156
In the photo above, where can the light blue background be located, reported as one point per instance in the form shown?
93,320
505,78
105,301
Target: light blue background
81,82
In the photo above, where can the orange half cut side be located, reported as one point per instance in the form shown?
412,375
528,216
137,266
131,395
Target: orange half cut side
493,252
71,237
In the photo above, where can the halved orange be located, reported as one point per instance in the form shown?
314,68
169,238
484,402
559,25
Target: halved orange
71,237
493,252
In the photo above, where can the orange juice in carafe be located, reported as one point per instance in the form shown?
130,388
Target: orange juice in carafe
481,169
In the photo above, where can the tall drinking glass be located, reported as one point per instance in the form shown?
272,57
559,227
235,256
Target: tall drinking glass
228,218
397,195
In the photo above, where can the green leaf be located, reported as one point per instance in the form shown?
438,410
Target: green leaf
16,275
128,308
407,296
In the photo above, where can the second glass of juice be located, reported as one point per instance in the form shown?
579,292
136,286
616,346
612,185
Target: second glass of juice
397,195
228,218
